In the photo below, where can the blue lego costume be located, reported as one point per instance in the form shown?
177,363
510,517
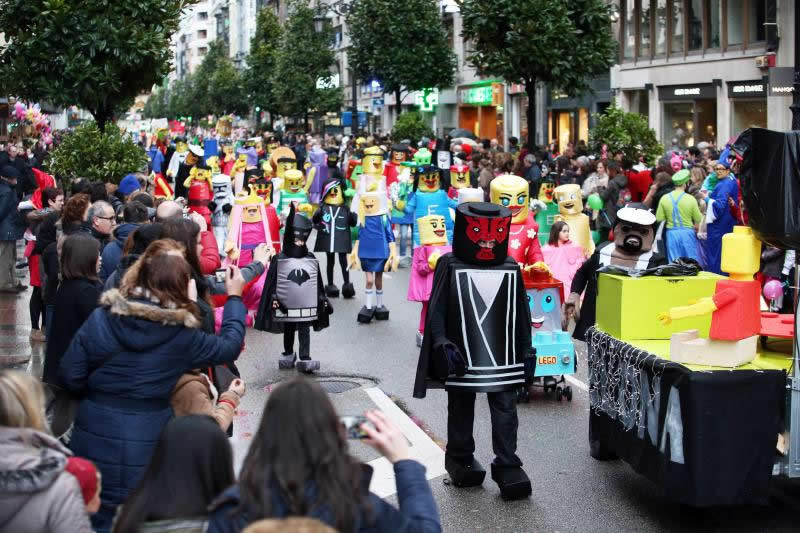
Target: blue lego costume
720,220
422,203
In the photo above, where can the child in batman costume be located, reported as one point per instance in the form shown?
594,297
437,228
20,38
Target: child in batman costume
293,299
333,221
477,338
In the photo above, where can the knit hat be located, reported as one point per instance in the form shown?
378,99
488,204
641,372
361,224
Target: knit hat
86,474
681,177
128,185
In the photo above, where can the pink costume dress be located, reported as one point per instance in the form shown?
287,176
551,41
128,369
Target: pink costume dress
564,261
421,280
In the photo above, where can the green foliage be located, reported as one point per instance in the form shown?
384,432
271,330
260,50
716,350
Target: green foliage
411,126
98,54
262,62
563,43
157,105
304,57
99,156
403,48
624,132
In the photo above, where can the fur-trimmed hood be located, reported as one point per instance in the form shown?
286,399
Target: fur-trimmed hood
118,304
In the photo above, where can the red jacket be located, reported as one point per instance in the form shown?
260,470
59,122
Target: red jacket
639,183
209,257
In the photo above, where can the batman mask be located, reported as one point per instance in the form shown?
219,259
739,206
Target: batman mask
298,228
480,235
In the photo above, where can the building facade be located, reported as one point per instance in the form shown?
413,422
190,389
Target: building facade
196,31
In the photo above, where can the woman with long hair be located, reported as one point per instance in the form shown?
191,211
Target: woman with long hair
304,469
563,256
126,359
37,493
192,464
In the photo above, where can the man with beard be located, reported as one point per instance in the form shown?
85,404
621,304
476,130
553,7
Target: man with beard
633,247
193,157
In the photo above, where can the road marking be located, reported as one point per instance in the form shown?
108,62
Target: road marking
578,383
422,449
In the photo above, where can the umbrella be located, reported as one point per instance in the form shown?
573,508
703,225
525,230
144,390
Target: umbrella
464,140
461,132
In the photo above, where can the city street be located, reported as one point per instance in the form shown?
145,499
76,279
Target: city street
377,362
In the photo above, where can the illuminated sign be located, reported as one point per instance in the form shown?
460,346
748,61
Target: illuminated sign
427,99
476,95
330,82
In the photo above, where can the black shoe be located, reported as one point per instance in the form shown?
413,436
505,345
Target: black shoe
307,366
348,291
513,482
461,475
381,313
286,362
366,314
331,291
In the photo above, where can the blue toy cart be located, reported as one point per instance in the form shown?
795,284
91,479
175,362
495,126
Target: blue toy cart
554,359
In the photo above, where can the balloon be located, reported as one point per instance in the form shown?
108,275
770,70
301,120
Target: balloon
595,202
772,289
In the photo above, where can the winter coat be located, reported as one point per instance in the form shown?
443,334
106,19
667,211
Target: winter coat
113,250
125,361
209,257
12,226
193,395
175,525
417,510
115,278
75,301
36,494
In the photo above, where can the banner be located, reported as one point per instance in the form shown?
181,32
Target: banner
706,438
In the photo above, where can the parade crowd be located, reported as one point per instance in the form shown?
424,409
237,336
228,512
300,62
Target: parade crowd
143,291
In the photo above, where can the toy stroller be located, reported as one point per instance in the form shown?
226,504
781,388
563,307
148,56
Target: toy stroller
554,351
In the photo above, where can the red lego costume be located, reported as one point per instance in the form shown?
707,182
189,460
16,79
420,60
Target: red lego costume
738,314
200,192
390,172
523,242
161,188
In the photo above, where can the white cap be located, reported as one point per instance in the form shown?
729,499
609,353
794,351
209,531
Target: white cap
196,150
470,195
642,217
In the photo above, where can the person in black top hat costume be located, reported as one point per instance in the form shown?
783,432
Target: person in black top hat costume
477,338
333,164
333,221
193,158
292,299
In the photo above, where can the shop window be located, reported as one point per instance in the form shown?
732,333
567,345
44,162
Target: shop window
749,114
706,121
676,26
661,28
678,124
583,124
695,20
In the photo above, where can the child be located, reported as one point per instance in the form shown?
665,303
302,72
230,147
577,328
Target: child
563,256
432,233
89,481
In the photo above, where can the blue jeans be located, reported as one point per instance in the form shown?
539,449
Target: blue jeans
403,237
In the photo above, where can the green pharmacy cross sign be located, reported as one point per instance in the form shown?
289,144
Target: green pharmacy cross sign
427,99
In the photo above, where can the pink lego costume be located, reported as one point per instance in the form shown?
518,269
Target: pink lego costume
564,261
421,280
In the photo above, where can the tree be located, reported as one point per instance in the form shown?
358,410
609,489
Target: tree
157,103
226,92
98,156
94,53
624,132
304,58
410,126
562,43
262,62
402,52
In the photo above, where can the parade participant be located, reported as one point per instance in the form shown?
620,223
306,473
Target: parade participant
430,198
177,158
222,205
570,209
282,159
397,156
459,179
512,192
264,190
192,159
333,164
161,187
563,256
317,174
158,162
371,178
374,252
477,336
433,237
333,221
200,192
248,227
399,192
293,299
719,217
228,158
294,192
632,247
682,214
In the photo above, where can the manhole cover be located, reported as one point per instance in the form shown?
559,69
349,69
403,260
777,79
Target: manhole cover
336,386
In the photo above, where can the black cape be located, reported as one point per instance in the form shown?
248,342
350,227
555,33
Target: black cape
183,173
341,235
444,327
265,319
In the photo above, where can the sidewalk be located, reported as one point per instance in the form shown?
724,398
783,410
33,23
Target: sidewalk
16,349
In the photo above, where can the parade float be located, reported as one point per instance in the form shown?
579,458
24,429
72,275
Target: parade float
714,428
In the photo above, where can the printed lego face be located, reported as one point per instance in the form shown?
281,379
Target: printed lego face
545,306
263,189
242,158
569,198
334,196
423,156
370,203
202,174
633,238
546,192
429,181
487,233
398,157
511,192
432,230
221,185
272,146
181,146
286,164
227,150
459,176
213,163
372,164
293,180
251,213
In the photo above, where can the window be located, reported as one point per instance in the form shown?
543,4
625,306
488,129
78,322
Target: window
644,29
202,34
735,20
749,114
661,28
337,36
756,17
203,15
714,14
695,19
202,51
676,27
629,31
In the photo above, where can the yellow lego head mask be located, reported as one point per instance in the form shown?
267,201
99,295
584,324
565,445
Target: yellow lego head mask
545,194
511,192
181,146
272,145
372,162
741,253
569,198
332,193
369,204
399,153
459,176
428,179
227,150
251,206
286,164
293,180
213,164
432,230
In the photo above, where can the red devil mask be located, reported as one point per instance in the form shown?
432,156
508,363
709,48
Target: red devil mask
480,235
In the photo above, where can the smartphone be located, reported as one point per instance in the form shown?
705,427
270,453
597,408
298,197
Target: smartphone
352,426
221,274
